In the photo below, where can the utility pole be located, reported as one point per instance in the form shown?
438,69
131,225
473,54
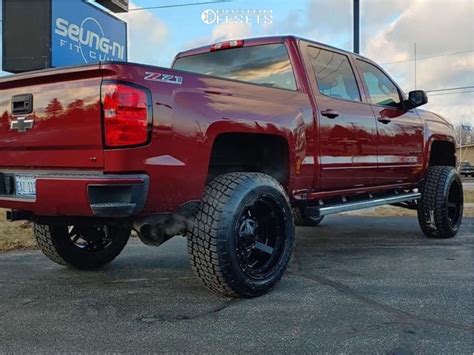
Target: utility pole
356,23
415,65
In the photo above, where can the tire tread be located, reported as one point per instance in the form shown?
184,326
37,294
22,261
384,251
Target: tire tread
204,249
432,210
46,244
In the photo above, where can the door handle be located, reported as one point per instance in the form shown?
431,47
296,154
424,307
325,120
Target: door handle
22,104
384,120
330,113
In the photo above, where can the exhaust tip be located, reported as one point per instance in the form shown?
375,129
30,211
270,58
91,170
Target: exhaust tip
156,230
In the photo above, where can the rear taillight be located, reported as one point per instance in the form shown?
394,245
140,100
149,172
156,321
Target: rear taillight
126,115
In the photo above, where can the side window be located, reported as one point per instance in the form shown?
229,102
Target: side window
382,90
334,74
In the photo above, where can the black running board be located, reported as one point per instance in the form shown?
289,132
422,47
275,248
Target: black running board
324,210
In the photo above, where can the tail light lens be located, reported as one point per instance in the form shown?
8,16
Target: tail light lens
226,45
126,115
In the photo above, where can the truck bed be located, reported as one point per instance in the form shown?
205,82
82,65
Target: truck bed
65,119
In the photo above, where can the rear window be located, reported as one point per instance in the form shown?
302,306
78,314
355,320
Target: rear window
267,65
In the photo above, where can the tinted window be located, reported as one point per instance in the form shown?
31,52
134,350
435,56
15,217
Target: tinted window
265,65
334,74
382,90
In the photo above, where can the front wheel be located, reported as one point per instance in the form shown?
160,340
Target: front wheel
441,206
81,247
241,239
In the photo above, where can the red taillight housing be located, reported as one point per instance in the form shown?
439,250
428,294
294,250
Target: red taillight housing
127,115
226,45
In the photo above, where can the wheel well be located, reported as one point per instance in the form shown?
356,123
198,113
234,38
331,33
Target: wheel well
442,154
237,152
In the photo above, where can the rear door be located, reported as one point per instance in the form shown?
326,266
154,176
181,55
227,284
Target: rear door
347,132
400,132
51,119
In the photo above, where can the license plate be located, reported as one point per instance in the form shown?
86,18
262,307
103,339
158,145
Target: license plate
25,185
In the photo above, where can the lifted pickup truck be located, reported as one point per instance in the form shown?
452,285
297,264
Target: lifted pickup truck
232,147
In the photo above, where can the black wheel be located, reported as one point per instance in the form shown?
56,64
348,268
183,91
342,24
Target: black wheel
303,220
81,247
241,239
441,206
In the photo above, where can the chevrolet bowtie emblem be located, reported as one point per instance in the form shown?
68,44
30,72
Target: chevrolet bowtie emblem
22,124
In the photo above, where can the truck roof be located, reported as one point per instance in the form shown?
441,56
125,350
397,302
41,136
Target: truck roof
265,40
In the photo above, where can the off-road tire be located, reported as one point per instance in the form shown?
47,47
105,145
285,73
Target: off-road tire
214,233
303,220
55,243
440,183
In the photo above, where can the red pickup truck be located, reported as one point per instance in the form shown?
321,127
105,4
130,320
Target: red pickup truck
232,147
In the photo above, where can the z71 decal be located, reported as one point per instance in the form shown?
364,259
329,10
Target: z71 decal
164,78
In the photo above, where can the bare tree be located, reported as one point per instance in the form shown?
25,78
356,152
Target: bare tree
463,134
464,137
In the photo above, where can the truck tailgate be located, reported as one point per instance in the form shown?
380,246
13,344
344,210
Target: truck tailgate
52,119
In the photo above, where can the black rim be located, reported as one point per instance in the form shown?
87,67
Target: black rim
260,237
454,202
90,239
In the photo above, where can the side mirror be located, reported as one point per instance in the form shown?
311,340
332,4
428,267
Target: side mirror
416,98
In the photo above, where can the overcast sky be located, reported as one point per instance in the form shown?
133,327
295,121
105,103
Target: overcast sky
443,31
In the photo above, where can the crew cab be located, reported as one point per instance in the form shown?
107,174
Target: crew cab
231,147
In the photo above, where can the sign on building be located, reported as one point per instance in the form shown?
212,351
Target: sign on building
53,33
81,33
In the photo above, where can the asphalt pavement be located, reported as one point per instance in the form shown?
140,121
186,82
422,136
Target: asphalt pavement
355,285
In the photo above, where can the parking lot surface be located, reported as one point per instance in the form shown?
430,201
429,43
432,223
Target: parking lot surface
355,284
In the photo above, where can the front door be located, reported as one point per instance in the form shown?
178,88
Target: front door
400,132
347,131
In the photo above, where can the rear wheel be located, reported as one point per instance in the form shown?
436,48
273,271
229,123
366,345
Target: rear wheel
81,247
441,206
241,239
